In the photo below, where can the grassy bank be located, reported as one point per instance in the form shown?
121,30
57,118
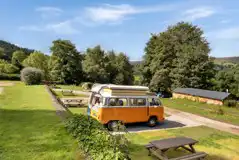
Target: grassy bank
231,115
219,145
71,87
60,94
29,127
76,110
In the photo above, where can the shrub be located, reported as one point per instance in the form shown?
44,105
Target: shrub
4,76
31,76
230,103
87,85
95,140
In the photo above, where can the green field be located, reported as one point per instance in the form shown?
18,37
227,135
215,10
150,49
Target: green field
219,145
69,95
231,115
71,87
30,128
76,110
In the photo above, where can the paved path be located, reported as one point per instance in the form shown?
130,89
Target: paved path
5,84
184,116
61,111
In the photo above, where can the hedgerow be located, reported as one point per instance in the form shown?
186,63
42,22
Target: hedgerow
96,142
4,76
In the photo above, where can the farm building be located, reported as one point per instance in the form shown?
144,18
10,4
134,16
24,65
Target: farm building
200,95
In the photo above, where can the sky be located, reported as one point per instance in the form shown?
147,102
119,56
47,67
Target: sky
122,25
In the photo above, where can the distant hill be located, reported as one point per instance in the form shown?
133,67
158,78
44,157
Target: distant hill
9,48
227,60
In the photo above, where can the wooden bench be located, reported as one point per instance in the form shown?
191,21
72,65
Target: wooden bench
67,92
159,147
198,155
72,102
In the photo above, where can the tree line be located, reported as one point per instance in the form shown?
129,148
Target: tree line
66,65
176,57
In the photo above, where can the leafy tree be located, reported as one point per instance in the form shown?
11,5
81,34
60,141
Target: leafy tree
67,61
6,67
160,81
94,65
228,80
119,68
124,70
1,53
37,60
17,58
180,56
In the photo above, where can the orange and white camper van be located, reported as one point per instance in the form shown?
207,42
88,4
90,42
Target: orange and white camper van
111,104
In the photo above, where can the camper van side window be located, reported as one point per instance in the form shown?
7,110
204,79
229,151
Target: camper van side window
137,101
118,102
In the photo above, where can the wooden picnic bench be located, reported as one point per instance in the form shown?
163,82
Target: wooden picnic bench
67,92
159,147
72,102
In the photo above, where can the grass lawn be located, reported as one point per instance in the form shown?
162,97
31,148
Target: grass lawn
71,87
30,128
71,95
76,110
231,115
219,145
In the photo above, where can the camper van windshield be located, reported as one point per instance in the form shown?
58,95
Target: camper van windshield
154,102
97,100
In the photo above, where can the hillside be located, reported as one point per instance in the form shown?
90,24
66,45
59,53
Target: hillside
227,60
9,48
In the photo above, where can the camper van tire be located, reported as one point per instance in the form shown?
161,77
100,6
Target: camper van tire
152,121
113,125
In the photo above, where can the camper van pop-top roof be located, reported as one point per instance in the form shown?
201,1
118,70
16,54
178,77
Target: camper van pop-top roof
119,90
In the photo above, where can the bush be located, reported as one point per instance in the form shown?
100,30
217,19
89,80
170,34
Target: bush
87,85
230,103
31,76
4,76
95,140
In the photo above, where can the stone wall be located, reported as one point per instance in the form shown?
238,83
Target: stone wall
198,99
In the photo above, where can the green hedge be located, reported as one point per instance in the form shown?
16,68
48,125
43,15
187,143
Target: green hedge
4,76
96,142
230,103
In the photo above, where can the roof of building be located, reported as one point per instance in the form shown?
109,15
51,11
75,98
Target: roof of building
203,93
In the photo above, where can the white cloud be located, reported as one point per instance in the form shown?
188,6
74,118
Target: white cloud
115,13
47,11
198,13
225,21
64,28
225,34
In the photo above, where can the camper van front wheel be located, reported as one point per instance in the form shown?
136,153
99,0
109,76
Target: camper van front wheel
152,121
113,125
